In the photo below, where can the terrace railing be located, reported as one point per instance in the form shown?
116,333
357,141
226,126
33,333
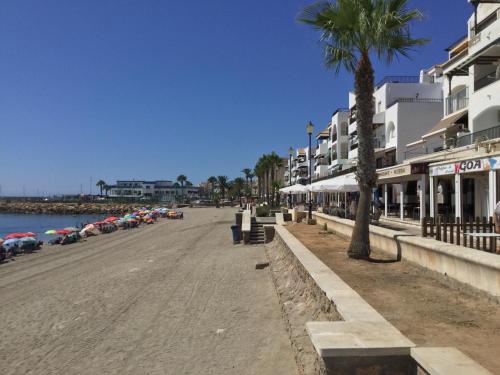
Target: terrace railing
454,142
415,100
455,231
485,81
397,79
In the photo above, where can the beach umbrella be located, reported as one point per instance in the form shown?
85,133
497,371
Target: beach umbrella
51,231
63,231
19,235
9,243
72,229
111,218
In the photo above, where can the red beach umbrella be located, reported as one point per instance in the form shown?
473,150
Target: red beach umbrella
63,231
111,218
19,235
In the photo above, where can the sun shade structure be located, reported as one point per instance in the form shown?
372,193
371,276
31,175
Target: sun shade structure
345,184
295,189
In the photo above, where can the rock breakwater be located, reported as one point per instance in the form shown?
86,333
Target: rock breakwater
66,208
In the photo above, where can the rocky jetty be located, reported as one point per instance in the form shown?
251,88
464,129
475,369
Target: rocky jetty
66,208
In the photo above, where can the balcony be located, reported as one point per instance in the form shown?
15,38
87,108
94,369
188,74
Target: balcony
486,80
455,142
397,79
457,101
322,149
486,31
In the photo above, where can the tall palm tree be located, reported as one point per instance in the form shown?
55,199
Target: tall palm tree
246,172
275,162
100,184
351,32
259,172
181,179
238,186
222,184
212,180
251,176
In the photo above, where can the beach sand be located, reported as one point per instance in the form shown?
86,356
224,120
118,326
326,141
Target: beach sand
175,297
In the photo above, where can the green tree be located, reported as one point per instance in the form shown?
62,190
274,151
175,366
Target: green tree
351,32
181,179
275,162
222,185
212,180
100,184
238,186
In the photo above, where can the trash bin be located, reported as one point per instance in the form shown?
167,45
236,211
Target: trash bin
236,234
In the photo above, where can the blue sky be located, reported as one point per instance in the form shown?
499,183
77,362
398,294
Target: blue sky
152,89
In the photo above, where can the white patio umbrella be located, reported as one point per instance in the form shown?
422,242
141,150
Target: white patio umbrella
298,189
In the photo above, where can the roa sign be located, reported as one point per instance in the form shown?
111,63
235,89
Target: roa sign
469,166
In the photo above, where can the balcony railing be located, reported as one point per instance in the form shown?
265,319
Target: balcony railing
457,101
485,81
485,23
454,142
415,100
397,79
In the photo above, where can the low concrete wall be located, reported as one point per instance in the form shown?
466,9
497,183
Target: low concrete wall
475,268
364,342
246,225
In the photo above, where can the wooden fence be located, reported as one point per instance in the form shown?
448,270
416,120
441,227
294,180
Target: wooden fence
455,231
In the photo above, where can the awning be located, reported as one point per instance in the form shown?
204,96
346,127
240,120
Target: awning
295,189
446,123
345,183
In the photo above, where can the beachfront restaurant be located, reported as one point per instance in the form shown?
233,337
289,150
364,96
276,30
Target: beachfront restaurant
464,188
403,190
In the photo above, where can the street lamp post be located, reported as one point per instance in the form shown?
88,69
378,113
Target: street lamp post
290,153
310,129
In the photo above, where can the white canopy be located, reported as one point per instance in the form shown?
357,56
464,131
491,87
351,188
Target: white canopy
295,189
346,183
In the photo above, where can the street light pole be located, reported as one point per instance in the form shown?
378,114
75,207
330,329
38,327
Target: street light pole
310,129
290,153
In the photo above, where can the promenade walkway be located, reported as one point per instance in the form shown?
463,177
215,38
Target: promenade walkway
171,298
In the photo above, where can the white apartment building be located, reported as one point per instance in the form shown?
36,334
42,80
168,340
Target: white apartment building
339,140
322,154
299,167
405,107
461,149
161,190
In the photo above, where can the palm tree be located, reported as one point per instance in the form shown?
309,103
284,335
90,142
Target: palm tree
259,172
212,180
106,188
251,175
238,185
222,184
246,172
351,31
101,185
275,162
182,180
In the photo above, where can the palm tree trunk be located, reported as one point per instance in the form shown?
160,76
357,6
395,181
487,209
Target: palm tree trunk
267,186
360,240
272,185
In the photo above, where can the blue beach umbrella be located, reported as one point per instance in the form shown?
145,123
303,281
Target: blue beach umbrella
9,244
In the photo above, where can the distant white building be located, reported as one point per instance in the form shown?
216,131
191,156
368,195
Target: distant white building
159,190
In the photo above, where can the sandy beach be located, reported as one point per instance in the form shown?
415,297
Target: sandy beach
171,298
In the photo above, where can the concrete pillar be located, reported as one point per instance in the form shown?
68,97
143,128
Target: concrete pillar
432,198
423,193
401,203
385,200
458,195
492,192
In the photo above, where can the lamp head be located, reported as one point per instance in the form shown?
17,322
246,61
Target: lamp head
310,127
290,151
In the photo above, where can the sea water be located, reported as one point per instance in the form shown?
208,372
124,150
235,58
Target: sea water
40,223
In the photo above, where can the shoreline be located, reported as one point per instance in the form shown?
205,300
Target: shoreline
48,208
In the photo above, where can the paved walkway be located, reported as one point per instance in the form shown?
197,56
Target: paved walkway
172,298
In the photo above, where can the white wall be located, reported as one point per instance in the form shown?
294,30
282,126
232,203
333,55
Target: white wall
413,120
484,105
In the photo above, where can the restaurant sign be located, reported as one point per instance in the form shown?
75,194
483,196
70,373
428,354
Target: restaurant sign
466,166
394,172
